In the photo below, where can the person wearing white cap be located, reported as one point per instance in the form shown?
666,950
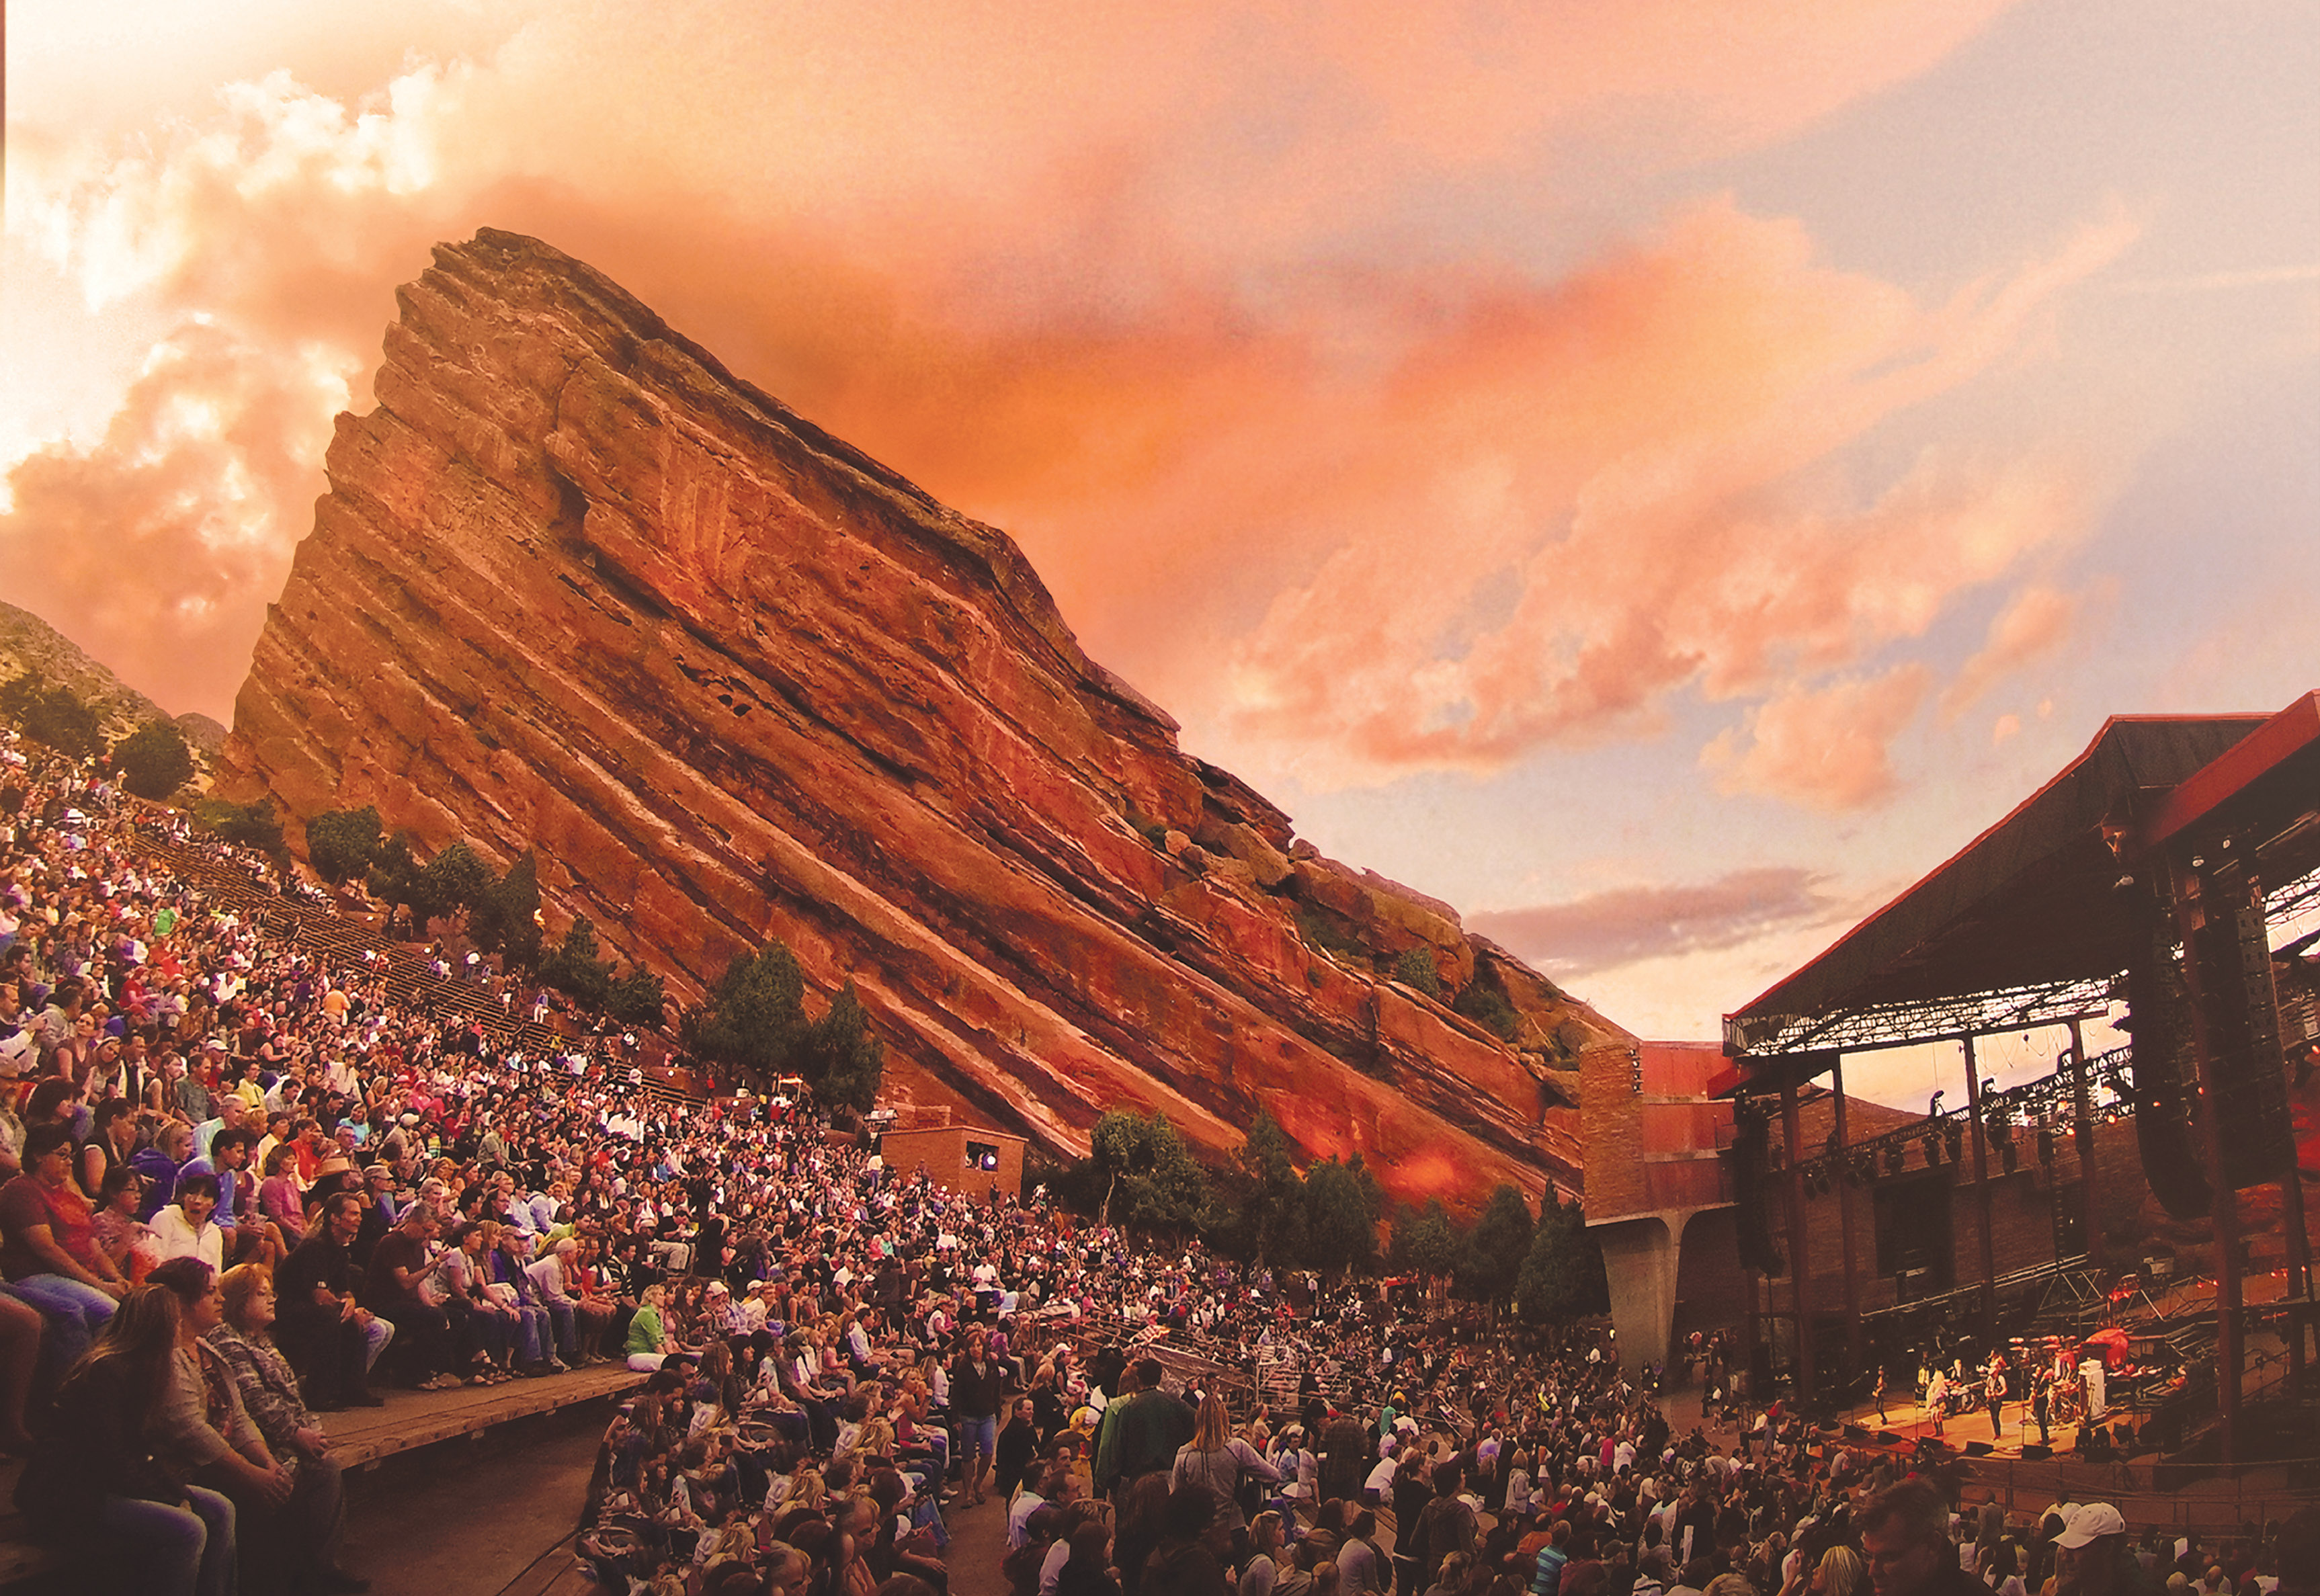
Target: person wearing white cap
2092,1559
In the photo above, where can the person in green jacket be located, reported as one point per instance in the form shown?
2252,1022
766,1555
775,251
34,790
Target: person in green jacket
649,1344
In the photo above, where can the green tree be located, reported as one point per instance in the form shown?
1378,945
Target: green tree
506,919
754,1018
1425,1241
635,998
1561,1278
575,970
154,760
1146,1176
1497,1248
839,1059
343,843
51,715
1258,1209
252,825
392,877
1341,1203
455,878
1415,967
1483,1001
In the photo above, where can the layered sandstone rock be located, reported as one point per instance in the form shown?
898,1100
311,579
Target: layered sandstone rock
576,587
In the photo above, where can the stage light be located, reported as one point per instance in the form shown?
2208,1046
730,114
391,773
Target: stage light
1953,1134
1894,1158
2009,1156
1933,1150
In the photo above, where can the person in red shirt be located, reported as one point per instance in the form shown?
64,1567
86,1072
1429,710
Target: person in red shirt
48,1248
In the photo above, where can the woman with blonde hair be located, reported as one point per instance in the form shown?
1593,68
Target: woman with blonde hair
1840,1572
1262,1572
1216,1460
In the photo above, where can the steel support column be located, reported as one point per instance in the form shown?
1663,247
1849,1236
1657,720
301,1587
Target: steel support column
1981,1189
1844,1224
2183,885
2300,1277
2082,1136
1799,1246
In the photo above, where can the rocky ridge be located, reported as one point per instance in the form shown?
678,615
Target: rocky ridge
576,587
28,643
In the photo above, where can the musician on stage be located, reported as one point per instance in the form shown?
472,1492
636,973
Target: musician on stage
1879,1395
1937,1397
2042,1407
1993,1395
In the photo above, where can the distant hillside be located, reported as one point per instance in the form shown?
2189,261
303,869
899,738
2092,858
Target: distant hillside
206,735
27,642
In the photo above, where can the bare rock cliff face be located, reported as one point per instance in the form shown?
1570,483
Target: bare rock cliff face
575,588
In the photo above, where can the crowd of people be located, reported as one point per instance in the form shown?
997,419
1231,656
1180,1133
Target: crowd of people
247,1188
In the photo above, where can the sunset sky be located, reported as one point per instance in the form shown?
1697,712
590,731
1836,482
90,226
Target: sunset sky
1658,476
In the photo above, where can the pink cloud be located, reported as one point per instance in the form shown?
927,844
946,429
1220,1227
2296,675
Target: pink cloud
1644,458
2035,624
1627,925
1825,748
1091,275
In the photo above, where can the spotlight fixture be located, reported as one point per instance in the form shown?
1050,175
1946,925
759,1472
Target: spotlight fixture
2009,1156
1953,1134
2047,1149
1932,1149
1894,1157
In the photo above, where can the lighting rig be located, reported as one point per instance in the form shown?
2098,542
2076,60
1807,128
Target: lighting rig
2046,1106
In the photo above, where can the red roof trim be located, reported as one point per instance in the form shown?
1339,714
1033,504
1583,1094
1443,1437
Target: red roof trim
2238,767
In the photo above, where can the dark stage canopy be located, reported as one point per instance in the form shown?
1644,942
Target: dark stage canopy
2030,923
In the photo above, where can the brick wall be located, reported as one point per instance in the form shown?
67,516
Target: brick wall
1650,1134
2021,1216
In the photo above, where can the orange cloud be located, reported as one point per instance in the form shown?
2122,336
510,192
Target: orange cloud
1824,747
159,548
1137,284
1634,470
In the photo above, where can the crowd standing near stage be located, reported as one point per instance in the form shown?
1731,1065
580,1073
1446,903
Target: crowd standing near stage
246,1189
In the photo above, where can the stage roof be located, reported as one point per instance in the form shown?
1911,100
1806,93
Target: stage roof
2028,924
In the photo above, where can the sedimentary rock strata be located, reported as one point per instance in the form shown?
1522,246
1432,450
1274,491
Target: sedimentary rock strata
576,587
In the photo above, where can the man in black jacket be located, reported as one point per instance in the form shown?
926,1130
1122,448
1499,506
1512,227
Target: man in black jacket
321,1327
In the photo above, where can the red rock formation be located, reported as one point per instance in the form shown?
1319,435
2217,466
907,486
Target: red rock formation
574,586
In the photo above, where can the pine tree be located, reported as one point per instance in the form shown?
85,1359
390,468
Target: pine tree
755,1020
839,1059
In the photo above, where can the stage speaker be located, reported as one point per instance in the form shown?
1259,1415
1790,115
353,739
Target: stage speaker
1886,1437
2160,1018
2033,1453
1854,1432
1978,1448
2243,1013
